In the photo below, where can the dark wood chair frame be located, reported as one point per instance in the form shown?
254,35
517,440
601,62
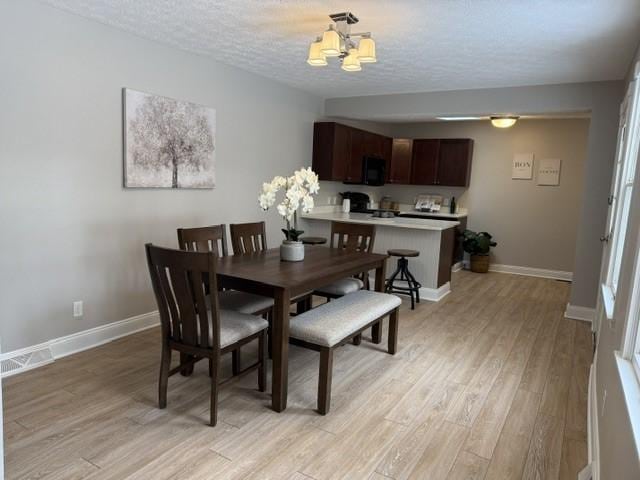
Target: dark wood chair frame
214,239
352,237
247,238
326,355
178,280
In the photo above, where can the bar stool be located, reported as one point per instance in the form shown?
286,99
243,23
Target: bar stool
412,285
313,240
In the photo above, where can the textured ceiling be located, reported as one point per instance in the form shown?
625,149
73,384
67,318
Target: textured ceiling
422,45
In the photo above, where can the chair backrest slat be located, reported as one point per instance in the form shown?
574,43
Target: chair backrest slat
179,282
204,239
352,237
248,237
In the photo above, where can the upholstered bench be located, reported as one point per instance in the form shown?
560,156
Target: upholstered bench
335,323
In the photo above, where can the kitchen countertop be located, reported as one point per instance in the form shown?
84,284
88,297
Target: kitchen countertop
397,222
433,214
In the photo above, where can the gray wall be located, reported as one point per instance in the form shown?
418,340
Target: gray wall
70,231
618,452
535,226
602,99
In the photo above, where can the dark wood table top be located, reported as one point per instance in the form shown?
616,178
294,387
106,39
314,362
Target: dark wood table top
319,267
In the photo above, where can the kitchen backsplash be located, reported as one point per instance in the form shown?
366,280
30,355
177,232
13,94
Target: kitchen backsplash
330,193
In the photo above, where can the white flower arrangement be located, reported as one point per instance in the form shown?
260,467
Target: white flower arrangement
299,190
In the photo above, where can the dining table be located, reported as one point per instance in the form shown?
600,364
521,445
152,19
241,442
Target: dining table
264,273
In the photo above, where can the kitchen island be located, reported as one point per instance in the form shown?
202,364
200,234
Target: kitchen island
433,238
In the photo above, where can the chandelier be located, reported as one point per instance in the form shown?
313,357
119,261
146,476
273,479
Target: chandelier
337,41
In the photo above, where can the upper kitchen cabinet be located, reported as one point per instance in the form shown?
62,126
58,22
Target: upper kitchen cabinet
399,168
338,151
454,162
424,165
331,150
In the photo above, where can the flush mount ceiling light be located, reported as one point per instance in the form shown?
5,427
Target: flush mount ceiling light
504,121
338,41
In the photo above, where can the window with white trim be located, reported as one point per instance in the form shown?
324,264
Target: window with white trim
624,174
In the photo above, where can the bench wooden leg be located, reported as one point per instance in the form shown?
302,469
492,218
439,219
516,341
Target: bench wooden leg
324,383
235,361
262,358
376,332
357,340
393,332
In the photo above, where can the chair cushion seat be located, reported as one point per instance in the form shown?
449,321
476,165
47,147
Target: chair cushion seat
330,323
234,326
243,302
340,287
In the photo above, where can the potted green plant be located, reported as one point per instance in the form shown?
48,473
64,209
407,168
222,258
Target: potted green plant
478,245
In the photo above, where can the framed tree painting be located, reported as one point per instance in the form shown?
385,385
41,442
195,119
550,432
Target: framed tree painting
167,143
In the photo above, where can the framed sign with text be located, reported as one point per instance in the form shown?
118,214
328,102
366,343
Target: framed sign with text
549,171
522,166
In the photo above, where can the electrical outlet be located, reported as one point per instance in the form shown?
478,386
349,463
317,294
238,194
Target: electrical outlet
77,309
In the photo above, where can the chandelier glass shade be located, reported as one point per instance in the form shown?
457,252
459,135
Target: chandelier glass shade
331,43
317,58
351,63
367,50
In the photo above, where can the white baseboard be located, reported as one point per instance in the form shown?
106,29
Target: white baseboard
435,294
576,312
456,267
24,359
593,443
528,271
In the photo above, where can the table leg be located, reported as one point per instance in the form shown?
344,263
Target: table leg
376,330
279,382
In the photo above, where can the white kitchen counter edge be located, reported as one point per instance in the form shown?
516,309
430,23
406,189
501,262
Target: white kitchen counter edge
397,222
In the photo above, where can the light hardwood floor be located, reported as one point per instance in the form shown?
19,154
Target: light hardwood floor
490,383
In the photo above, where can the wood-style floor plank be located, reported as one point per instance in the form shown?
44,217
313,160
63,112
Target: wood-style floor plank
489,383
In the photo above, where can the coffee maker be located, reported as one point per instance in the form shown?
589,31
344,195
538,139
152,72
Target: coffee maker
360,202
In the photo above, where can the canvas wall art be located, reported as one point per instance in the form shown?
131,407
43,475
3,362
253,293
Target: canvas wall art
549,171
168,143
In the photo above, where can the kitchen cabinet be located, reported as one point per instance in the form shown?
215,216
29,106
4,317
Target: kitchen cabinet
399,168
454,162
338,150
331,150
424,165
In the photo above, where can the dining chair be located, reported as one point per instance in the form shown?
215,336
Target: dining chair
351,237
194,327
214,239
248,237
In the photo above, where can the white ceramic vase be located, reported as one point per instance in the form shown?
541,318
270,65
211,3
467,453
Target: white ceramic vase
291,251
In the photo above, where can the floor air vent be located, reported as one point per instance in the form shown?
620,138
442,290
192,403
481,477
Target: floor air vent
25,361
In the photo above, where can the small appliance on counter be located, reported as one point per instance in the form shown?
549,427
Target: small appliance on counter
359,202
